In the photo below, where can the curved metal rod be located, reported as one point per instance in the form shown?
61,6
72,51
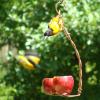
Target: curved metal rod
67,34
56,6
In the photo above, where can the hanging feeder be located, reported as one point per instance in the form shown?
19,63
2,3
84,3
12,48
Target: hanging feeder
61,85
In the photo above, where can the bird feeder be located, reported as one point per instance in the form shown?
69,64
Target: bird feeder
61,85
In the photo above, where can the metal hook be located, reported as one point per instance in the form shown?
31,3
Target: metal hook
56,6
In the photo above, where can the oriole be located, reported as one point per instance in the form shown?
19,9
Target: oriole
29,61
54,26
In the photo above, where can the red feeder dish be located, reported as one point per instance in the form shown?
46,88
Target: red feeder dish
59,85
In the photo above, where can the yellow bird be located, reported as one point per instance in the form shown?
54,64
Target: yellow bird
54,26
29,61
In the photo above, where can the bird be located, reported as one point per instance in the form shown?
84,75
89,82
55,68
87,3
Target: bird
29,61
55,26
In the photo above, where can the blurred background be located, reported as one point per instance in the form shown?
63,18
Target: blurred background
22,24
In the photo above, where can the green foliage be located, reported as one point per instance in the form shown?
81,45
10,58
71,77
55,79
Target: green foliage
22,24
